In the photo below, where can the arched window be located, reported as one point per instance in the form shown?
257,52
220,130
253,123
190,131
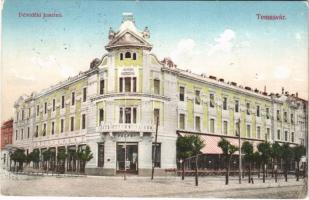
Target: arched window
128,55
134,56
121,56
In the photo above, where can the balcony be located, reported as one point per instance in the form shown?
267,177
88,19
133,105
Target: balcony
116,127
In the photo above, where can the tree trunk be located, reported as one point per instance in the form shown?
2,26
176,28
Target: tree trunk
286,172
183,171
249,175
259,170
297,172
272,168
264,166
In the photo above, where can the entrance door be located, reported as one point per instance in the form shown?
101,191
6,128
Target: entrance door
128,162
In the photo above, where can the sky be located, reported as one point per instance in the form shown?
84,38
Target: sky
224,39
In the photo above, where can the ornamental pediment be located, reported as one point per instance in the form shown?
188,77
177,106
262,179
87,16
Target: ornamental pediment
127,38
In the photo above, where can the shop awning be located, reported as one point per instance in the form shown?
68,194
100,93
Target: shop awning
211,142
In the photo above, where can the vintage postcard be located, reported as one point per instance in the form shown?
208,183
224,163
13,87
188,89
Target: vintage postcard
195,99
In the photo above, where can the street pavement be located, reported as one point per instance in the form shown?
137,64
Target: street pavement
134,186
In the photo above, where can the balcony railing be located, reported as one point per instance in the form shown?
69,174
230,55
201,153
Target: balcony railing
116,127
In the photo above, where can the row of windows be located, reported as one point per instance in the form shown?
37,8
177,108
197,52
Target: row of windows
236,105
128,84
128,55
128,115
52,131
53,105
225,128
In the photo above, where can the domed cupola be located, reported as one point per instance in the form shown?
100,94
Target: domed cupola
128,35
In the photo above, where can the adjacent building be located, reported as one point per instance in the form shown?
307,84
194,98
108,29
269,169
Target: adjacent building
113,107
6,139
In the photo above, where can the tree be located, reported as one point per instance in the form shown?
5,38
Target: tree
265,151
46,158
276,154
228,150
287,156
19,157
247,149
35,158
188,145
61,156
257,160
84,155
299,151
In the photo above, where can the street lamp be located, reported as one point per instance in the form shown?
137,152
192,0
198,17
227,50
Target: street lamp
239,156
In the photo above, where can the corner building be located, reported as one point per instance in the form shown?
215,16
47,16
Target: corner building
115,104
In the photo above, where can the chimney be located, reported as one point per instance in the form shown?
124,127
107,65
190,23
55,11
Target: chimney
296,94
282,90
264,88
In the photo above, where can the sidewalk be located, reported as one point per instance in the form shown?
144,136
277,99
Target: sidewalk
136,186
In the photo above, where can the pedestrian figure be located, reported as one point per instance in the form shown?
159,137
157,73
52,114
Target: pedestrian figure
252,181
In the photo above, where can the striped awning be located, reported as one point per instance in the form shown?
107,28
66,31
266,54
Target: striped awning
211,142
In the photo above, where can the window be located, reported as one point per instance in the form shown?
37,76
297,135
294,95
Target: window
156,115
182,121
61,125
212,100
102,85
127,55
29,112
22,133
84,94
127,84
83,121
236,106
121,56
62,102
292,119
72,123
181,93
285,115
101,116
278,115
267,113
225,124
45,107
28,132
197,123
224,103
212,125
54,104
37,110
134,84
257,111
22,115
197,97
17,116
248,130
127,115
285,135
53,128
237,128
100,155
156,158
248,108
258,130
44,129
292,136
156,84
73,98
278,134
16,135
134,56
37,131
267,136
